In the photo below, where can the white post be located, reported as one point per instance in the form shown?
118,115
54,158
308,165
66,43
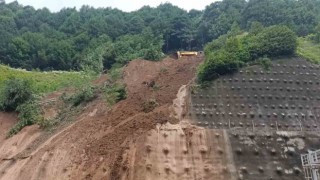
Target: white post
315,174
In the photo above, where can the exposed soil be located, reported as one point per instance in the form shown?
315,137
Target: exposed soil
101,144
7,120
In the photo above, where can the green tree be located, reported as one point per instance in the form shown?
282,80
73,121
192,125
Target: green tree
37,38
61,55
256,28
72,25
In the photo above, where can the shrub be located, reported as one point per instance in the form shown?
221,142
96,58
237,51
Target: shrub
218,64
114,75
115,93
85,95
273,41
227,54
265,62
29,114
215,45
15,93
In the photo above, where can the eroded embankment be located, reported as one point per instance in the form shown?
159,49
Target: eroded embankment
105,144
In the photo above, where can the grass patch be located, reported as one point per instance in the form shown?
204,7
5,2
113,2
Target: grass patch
45,82
309,50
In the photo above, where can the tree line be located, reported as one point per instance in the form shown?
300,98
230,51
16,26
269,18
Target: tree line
100,38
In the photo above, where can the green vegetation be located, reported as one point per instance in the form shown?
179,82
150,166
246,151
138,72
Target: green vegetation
114,90
309,50
265,62
19,88
14,93
29,113
84,95
96,39
44,82
17,95
115,93
229,53
272,42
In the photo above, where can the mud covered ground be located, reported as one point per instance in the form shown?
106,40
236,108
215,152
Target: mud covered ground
101,143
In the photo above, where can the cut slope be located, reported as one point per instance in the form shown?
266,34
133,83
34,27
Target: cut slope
271,117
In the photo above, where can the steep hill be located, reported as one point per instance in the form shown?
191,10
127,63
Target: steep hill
98,145
253,124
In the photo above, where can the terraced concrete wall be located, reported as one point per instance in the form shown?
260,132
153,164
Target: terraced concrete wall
271,116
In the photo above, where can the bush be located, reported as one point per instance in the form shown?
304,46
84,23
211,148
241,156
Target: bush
85,95
273,41
227,54
223,56
265,62
15,93
115,93
218,64
29,114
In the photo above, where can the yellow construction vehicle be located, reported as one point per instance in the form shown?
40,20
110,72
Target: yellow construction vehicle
186,54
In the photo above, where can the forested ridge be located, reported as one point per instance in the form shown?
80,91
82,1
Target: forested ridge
97,39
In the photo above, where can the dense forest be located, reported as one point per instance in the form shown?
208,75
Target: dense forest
97,39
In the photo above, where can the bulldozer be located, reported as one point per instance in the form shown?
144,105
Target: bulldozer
187,54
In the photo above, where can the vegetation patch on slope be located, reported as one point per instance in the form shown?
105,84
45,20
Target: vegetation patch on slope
44,82
230,52
309,50
20,90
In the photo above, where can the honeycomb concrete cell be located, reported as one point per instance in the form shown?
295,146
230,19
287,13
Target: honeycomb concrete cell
270,117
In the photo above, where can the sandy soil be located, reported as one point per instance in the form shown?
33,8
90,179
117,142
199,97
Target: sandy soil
105,144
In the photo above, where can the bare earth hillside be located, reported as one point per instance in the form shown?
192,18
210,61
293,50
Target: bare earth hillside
102,143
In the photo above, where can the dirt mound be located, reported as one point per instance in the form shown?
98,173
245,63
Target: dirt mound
99,145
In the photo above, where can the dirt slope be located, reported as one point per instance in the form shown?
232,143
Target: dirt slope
7,120
101,143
